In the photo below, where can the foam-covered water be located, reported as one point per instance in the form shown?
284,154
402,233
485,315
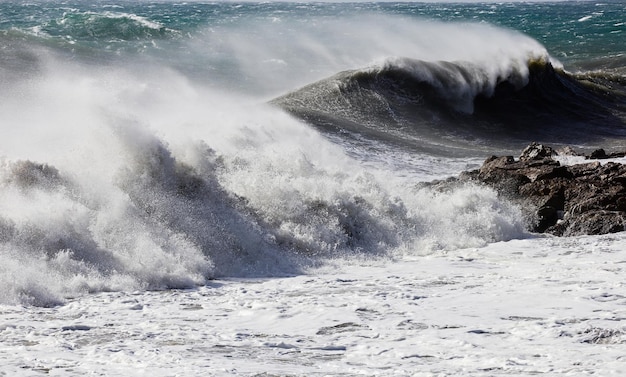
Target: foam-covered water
225,189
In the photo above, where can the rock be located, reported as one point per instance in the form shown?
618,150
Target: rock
547,216
566,151
598,154
588,198
584,169
595,222
536,152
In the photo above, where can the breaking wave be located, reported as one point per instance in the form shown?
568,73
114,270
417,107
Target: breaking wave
450,107
173,185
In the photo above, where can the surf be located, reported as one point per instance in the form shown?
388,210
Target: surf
151,182
127,165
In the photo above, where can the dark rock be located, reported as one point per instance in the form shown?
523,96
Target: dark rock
595,222
580,199
581,170
497,162
556,199
547,216
598,153
554,172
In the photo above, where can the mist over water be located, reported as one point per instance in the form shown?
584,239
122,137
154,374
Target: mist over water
254,49
140,152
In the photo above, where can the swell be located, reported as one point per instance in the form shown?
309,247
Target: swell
461,107
130,176
95,37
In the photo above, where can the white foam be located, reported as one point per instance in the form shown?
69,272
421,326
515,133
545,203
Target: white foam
520,307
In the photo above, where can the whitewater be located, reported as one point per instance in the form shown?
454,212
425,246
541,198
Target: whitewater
241,189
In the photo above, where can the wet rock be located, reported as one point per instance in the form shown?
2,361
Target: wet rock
593,222
536,151
566,151
588,198
598,153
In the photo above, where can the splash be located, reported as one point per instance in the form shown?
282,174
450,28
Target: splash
131,174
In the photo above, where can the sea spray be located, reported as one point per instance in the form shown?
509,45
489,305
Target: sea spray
137,160
125,192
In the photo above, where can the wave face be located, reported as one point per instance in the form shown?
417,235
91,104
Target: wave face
139,150
450,107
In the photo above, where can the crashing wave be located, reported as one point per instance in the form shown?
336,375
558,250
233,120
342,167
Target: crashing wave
439,103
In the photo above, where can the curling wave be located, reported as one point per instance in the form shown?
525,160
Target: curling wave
449,107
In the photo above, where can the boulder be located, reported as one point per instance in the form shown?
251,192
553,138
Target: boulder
600,154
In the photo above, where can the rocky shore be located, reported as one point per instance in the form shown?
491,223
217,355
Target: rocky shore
560,199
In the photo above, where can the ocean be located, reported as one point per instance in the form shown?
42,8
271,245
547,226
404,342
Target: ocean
225,188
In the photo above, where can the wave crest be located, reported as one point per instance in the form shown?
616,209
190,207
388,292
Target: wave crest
449,106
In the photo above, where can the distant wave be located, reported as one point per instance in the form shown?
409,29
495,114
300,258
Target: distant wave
442,106
111,26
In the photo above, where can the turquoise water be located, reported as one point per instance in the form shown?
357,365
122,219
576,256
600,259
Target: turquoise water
580,34
573,32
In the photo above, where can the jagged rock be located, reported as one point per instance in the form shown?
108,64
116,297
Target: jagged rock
592,222
588,198
536,152
566,151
